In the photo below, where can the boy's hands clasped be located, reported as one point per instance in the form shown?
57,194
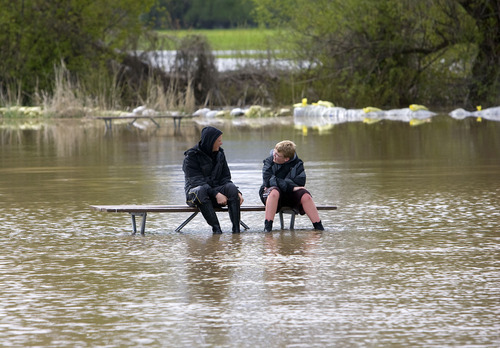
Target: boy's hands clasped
222,199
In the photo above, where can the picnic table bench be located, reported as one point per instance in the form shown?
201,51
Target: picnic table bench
177,119
143,210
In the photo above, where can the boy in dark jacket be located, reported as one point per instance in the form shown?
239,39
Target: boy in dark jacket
283,183
208,180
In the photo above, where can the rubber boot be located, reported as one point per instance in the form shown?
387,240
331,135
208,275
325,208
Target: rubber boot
233,208
268,225
318,226
208,212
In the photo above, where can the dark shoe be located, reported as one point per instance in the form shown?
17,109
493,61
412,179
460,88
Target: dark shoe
268,225
216,229
233,207
208,212
318,226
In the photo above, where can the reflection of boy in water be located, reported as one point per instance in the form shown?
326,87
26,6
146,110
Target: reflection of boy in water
283,183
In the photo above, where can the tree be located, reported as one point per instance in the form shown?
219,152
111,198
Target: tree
36,35
391,52
168,14
486,70
218,13
205,14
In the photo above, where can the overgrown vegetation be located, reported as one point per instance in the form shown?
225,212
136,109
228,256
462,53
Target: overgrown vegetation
200,14
392,52
76,58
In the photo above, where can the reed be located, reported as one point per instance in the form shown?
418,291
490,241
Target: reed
68,99
10,94
170,98
101,93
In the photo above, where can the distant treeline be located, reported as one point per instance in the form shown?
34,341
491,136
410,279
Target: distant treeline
200,14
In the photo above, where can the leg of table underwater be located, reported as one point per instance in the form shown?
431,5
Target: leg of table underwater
156,123
177,123
191,217
292,218
107,123
134,228
130,124
143,223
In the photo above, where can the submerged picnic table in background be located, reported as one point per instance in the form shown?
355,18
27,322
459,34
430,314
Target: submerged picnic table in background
177,119
143,210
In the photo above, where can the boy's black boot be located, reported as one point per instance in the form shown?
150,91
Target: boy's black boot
268,225
318,226
216,229
233,207
208,212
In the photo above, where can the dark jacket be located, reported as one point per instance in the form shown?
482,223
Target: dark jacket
285,176
202,166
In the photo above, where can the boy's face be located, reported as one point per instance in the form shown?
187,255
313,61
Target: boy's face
217,144
279,158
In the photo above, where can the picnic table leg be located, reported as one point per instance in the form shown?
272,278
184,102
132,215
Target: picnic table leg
134,227
156,123
143,223
281,220
107,123
292,220
131,123
181,226
292,212
177,123
244,225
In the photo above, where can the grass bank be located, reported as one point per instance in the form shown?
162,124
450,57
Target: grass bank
227,39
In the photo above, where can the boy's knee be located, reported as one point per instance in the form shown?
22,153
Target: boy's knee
198,195
306,198
274,194
232,191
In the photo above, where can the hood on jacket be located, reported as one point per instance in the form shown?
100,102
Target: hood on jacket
208,137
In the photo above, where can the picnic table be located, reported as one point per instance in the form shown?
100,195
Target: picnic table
143,210
176,118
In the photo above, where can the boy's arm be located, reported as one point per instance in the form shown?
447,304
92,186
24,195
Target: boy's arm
296,177
193,172
267,172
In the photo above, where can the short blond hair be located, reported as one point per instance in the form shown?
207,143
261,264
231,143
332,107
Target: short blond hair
286,148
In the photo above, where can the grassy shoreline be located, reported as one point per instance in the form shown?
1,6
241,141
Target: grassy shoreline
226,39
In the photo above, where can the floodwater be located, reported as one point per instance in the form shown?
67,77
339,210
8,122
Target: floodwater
410,258
236,60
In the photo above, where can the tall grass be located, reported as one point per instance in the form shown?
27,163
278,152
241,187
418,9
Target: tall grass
172,99
99,93
10,94
68,99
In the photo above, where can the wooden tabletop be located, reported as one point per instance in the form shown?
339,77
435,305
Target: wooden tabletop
178,208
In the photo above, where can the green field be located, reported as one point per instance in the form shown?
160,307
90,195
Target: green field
228,39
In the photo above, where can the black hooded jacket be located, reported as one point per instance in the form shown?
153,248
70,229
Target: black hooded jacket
202,166
286,176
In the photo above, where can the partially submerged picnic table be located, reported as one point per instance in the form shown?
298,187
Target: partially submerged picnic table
176,118
143,210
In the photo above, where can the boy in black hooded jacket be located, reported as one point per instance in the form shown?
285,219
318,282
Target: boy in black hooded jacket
208,180
283,184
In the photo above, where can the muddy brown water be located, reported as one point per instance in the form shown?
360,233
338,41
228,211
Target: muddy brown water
410,258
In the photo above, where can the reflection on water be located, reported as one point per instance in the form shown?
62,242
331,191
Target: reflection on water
410,258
